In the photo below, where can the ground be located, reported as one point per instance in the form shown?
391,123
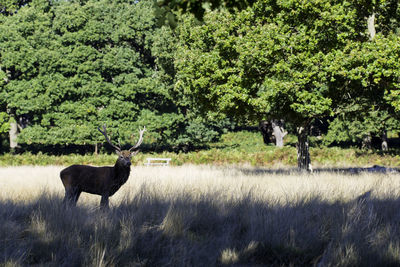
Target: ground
203,216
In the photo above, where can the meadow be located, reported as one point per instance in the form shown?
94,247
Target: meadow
198,215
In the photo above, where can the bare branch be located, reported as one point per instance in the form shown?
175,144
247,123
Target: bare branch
139,142
104,132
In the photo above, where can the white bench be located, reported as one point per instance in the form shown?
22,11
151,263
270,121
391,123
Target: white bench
158,161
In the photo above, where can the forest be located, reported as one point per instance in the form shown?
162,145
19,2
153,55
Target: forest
192,70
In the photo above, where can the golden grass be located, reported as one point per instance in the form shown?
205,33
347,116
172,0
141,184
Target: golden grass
25,183
202,216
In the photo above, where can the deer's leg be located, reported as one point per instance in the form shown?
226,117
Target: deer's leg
104,202
75,197
71,196
67,196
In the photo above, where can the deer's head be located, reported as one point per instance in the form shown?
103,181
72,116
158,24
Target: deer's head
124,156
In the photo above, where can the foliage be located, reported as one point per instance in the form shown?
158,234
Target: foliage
263,62
8,7
284,60
73,66
198,8
371,70
4,122
356,128
81,72
4,128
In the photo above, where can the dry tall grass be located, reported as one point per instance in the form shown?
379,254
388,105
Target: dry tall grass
202,216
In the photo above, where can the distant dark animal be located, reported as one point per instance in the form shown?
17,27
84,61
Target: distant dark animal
103,181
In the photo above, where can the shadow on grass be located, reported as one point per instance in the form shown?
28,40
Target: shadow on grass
202,231
350,170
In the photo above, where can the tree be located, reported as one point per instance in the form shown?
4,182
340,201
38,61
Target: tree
74,65
361,127
68,66
278,60
370,68
257,69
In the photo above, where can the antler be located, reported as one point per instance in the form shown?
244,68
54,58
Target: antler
139,142
108,140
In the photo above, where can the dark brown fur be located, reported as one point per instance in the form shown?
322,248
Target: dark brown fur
103,181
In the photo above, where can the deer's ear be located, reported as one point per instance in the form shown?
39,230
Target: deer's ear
118,152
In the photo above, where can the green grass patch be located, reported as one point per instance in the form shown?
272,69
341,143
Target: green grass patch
242,148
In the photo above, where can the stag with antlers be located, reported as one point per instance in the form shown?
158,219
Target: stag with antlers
103,181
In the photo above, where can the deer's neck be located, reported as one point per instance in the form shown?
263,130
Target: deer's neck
121,172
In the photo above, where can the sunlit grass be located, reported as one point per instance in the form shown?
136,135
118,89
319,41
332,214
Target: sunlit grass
202,216
25,183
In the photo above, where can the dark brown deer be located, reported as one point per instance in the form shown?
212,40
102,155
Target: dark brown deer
103,181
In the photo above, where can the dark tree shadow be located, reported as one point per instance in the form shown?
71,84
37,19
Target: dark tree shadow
148,230
349,170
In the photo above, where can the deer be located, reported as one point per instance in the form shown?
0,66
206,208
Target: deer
104,181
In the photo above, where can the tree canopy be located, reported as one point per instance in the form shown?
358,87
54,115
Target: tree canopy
68,66
294,60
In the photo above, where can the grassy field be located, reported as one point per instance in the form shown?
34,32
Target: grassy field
202,216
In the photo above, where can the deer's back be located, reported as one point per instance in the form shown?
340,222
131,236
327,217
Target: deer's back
87,178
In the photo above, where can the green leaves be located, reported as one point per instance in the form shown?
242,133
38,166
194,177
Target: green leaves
356,127
243,66
312,105
68,67
4,122
294,60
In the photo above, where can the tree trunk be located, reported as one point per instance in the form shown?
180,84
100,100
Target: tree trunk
303,152
278,132
265,129
367,142
13,134
384,141
371,26
273,131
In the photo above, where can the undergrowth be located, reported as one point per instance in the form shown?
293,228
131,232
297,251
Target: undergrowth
235,148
